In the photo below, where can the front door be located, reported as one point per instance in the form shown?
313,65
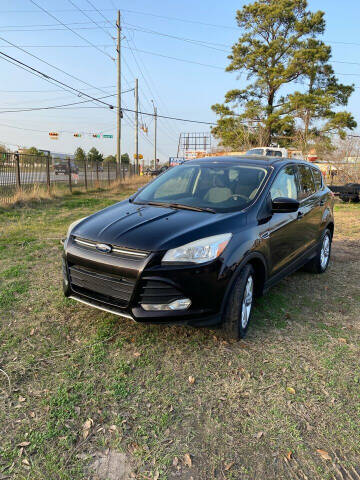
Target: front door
285,235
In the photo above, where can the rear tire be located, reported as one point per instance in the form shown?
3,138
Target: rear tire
321,261
238,311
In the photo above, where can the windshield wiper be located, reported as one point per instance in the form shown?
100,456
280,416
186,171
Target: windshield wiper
192,207
178,205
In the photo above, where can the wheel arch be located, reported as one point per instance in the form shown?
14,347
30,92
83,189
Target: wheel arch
258,262
331,227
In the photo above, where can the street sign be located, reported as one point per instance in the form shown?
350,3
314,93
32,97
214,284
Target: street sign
176,161
108,136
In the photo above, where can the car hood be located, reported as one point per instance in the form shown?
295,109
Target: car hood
146,227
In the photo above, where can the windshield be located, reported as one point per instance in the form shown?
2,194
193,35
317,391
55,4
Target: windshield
218,187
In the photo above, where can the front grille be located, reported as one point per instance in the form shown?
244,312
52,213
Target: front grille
105,287
158,291
115,249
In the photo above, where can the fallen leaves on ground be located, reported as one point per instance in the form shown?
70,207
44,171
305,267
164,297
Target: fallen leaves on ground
187,460
323,454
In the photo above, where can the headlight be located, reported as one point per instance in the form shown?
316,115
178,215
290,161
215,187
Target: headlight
200,251
73,225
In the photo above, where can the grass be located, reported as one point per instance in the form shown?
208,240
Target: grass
260,408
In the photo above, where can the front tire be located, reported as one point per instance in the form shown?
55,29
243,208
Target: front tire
238,311
321,261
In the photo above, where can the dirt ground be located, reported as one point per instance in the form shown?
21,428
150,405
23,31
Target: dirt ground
87,395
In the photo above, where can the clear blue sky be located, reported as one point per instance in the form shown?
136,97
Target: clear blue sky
178,89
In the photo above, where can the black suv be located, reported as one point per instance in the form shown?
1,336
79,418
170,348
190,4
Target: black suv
198,243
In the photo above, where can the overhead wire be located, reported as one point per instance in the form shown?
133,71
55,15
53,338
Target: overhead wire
71,29
50,79
88,16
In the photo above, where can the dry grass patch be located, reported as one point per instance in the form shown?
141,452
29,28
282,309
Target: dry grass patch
282,404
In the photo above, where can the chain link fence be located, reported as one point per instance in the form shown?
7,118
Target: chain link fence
24,172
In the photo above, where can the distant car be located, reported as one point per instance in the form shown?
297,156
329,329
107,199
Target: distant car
196,245
154,172
268,152
63,167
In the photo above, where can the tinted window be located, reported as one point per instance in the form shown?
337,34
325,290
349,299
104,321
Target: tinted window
220,187
285,184
256,151
307,185
273,153
317,178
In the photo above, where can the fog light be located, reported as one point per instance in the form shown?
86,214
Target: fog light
181,304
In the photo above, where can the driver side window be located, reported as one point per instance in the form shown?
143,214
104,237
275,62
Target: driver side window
285,184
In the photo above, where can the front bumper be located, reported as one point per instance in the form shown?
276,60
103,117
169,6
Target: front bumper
89,276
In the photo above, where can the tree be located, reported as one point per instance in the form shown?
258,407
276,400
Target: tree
80,155
275,49
95,156
125,159
316,107
110,159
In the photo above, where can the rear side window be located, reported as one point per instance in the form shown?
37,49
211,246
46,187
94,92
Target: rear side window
307,185
317,178
285,184
256,151
273,153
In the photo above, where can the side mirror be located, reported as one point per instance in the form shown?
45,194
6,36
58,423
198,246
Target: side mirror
285,205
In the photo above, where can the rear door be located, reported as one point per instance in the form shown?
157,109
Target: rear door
285,235
309,214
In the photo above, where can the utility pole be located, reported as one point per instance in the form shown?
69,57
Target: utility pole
119,112
155,132
136,126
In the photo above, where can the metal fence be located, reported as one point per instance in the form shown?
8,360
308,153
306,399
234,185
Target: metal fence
21,172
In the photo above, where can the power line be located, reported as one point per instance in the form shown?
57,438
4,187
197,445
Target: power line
88,16
51,107
53,91
49,78
71,29
171,118
49,64
99,12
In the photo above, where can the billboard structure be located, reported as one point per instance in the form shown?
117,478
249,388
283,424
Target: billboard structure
194,144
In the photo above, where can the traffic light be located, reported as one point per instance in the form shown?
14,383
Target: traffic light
96,135
77,135
54,135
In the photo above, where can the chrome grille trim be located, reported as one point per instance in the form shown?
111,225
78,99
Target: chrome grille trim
115,249
81,242
130,252
100,307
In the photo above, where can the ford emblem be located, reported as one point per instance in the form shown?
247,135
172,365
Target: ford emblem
102,247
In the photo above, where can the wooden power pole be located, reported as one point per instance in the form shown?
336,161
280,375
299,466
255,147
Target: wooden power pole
155,133
136,126
119,112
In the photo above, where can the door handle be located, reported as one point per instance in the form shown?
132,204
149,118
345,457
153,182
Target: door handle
300,215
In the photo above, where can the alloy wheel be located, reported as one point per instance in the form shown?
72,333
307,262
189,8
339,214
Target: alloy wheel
247,302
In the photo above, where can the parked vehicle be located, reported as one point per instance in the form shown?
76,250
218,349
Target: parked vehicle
63,167
268,152
197,244
347,193
154,172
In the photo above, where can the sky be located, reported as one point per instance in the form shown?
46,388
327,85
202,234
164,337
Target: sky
182,89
